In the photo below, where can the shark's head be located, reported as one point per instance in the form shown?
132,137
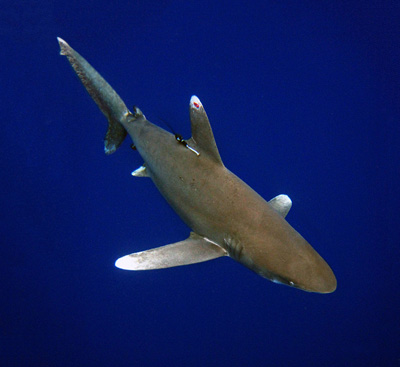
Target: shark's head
284,257
318,278
309,273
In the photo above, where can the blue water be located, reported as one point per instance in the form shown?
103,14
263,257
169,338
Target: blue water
303,98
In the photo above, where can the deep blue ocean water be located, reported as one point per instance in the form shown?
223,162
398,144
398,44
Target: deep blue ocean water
303,98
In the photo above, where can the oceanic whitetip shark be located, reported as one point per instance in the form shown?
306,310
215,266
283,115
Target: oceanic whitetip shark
227,217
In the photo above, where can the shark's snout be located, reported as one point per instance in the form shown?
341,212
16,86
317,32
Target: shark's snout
324,281
328,282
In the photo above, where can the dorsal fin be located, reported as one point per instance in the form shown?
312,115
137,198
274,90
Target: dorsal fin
201,130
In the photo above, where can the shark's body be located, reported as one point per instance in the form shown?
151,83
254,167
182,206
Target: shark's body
227,217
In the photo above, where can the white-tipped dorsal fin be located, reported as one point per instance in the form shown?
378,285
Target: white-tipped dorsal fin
193,250
281,204
202,134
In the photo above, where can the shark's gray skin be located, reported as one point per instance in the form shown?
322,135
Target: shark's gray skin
227,217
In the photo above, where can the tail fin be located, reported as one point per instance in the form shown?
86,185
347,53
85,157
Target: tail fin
103,94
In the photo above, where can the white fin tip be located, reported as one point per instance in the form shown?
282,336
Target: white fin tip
140,172
124,263
195,103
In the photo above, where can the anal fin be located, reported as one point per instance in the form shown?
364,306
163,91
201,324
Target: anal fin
193,250
140,172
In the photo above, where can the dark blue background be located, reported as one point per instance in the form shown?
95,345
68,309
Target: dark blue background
303,98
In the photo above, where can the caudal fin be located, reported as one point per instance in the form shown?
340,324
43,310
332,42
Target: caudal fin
103,94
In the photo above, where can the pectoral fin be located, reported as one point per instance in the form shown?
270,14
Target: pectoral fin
193,250
281,204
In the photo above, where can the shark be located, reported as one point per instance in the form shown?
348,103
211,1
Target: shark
225,215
